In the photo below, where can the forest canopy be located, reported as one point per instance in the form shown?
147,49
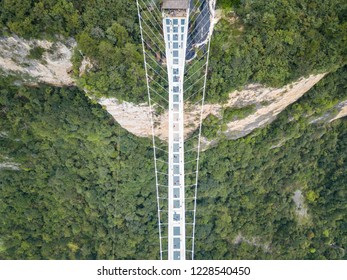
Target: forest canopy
276,42
75,185
76,195
270,42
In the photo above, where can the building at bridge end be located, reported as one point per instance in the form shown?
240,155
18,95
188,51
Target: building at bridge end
175,8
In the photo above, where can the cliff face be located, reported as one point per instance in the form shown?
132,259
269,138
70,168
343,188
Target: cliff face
269,102
5,162
342,109
17,57
9,166
37,60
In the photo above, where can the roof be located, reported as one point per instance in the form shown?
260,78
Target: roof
175,4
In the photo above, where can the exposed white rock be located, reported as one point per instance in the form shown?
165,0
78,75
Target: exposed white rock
86,65
279,144
301,209
134,118
10,166
55,64
331,115
53,68
269,103
254,242
342,107
3,134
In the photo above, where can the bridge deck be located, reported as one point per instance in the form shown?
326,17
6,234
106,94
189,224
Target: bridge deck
175,34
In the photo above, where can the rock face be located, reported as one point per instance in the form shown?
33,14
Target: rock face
9,166
301,208
342,108
269,102
134,118
52,67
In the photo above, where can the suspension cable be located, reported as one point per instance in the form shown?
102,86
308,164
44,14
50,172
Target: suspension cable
162,97
199,143
153,32
156,7
158,73
192,95
158,84
191,75
191,66
198,80
152,48
148,54
196,12
150,14
153,138
196,26
191,11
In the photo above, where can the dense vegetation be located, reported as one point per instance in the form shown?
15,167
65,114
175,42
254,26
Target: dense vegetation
247,185
106,31
271,42
84,188
212,125
77,195
274,42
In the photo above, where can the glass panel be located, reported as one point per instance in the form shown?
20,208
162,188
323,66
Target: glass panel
175,70
182,29
176,204
175,37
168,29
175,21
175,53
175,29
176,169
183,21
176,79
176,231
175,99
176,180
177,255
176,192
175,45
176,158
176,108
176,148
168,21
177,243
176,89
175,61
